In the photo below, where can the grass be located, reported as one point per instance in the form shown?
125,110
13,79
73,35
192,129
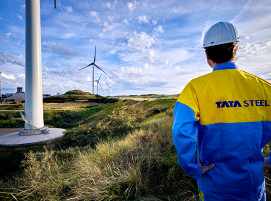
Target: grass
11,106
140,166
77,95
121,151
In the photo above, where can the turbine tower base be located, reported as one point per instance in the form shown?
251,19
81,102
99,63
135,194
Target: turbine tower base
26,132
16,139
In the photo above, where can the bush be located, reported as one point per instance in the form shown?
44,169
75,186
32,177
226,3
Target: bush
45,176
118,124
62,119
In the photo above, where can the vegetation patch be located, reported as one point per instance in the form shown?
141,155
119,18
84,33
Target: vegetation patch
113,151
77,95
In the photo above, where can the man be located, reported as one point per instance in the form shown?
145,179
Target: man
224,118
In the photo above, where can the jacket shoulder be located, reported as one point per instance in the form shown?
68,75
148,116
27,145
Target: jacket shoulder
261,80
198,84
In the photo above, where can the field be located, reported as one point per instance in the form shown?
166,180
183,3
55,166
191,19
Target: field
118,149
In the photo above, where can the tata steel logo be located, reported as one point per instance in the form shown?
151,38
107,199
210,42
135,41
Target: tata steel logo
245,103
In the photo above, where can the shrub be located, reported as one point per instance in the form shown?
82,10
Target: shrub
118,124
62,119
45,176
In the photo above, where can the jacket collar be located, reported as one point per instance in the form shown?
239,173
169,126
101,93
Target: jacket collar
227,65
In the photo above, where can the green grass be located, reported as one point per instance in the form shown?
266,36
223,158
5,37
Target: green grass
139,166
121,151
77,92
11,106
11,119
77,95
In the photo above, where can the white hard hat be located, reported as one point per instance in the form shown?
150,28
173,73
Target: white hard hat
220,33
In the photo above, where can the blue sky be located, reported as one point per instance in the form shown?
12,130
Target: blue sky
145,46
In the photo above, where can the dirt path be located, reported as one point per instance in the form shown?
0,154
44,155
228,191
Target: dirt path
4,131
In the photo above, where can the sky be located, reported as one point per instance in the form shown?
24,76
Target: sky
144,46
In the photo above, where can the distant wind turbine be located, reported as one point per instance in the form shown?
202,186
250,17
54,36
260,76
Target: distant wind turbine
98,83
109,88
93,64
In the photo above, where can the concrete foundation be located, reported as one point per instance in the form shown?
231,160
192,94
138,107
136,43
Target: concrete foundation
15,139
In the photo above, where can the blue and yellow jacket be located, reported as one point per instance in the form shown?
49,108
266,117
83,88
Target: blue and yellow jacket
225,118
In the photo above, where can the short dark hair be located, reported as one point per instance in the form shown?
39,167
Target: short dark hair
222,53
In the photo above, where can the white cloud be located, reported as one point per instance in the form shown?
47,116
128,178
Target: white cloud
152,55
49,43
143,19
159,29
68,35
154,22
95,15
69,9
8,34
8,76
84,25
173,56
131,6
108,5
11,58
250,49
111,18
141,41
105,24
179,10
20,17
22,75
126,21
59,49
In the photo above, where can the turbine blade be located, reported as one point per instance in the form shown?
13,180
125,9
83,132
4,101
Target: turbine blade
99,77
86,66
55,3
99,68
99,84
95,54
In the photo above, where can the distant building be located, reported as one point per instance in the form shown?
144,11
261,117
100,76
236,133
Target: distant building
8,95
19,95
19,90
16,97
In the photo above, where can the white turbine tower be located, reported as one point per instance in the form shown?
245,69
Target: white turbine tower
93,65
34,130
33,108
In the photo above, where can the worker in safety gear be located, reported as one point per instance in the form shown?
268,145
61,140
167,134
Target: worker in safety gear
222,121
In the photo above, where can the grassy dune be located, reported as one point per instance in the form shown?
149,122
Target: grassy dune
139,166
120,151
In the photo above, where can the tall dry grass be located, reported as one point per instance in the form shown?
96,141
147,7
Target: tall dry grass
141,166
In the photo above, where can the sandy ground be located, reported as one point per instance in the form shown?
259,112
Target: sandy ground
4,131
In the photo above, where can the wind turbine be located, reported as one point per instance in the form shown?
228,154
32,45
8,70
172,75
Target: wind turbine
98,83
55,3
93,65
109,88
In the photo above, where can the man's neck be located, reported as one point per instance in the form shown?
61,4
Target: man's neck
214,64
